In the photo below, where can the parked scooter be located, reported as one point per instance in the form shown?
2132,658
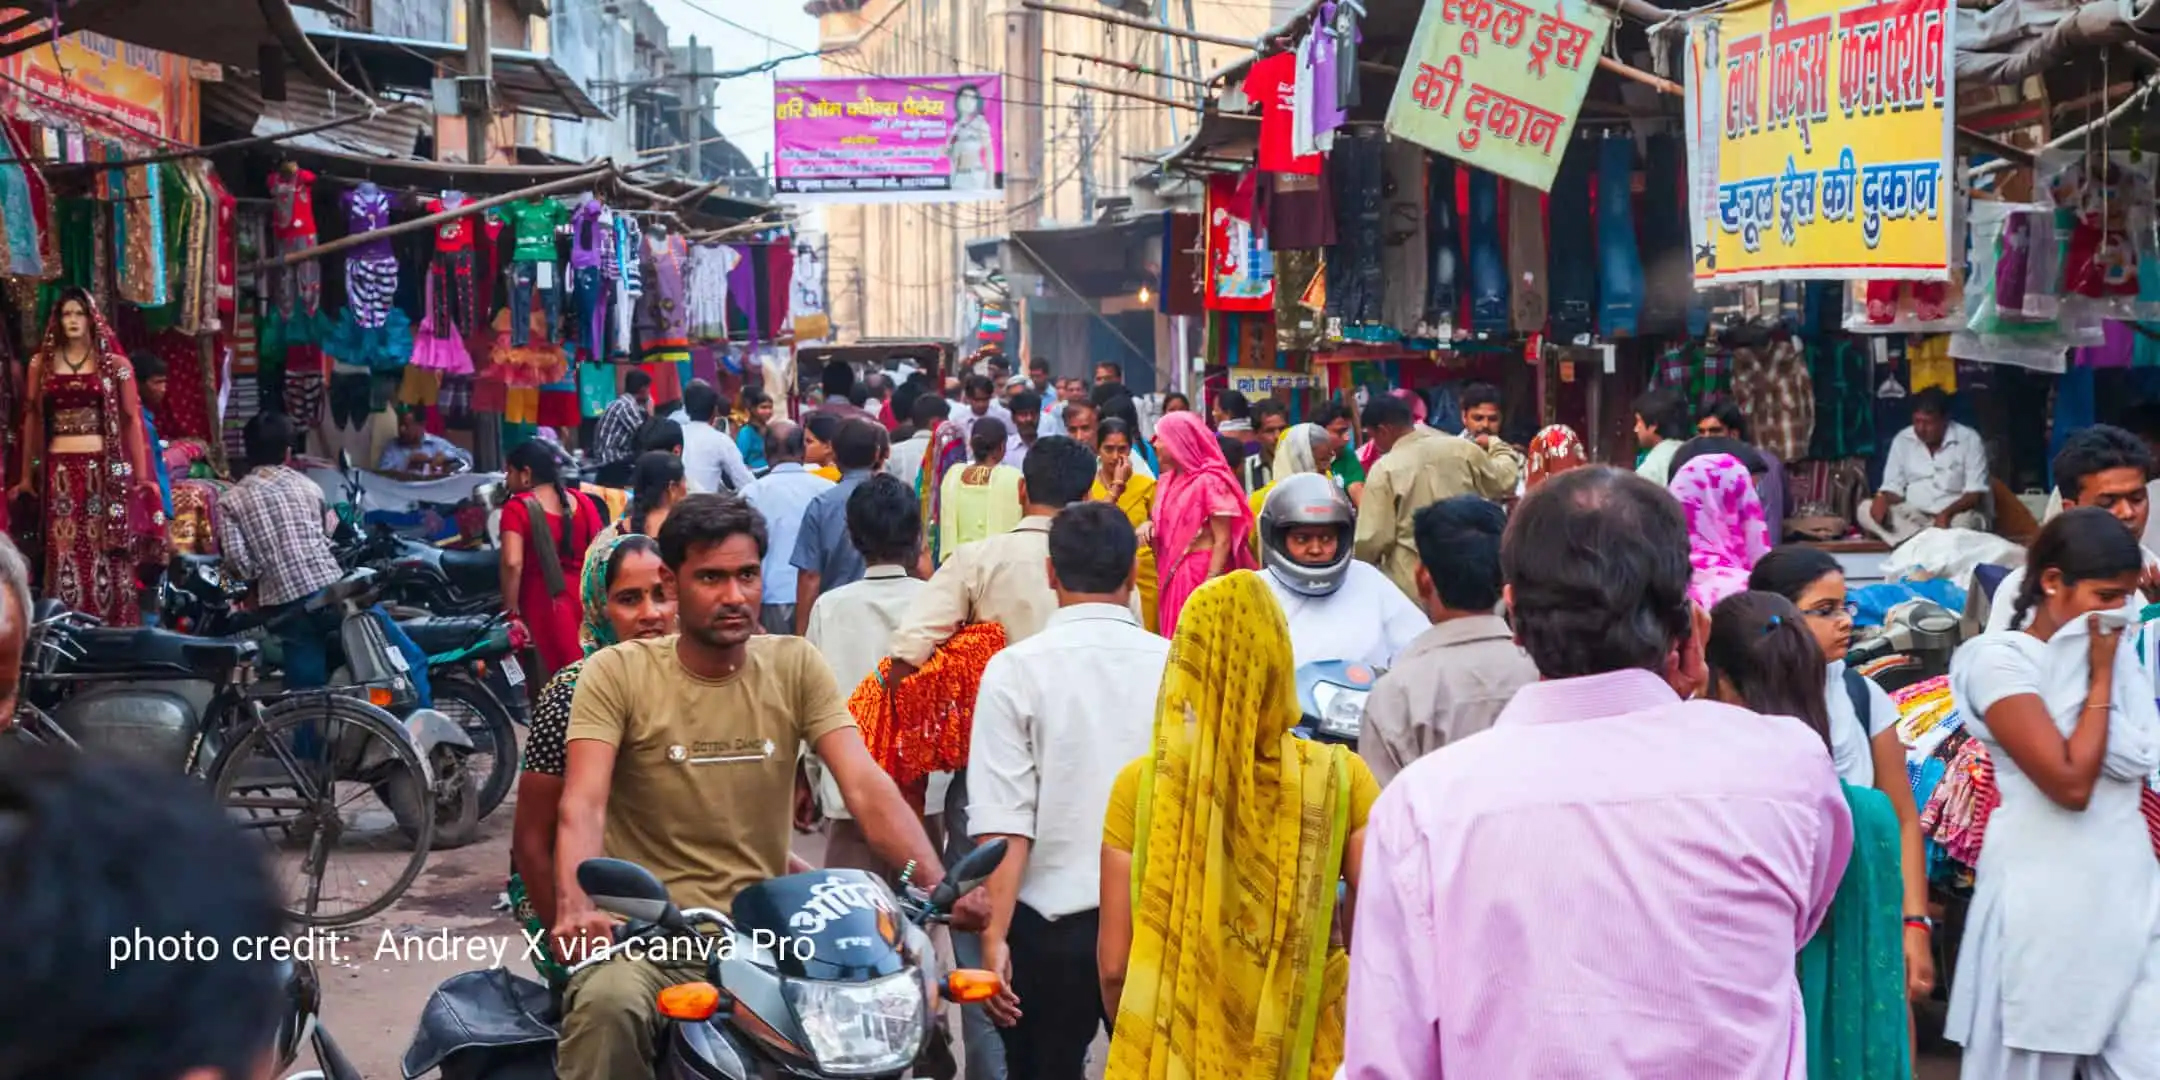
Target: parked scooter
820,974
1331,700
473,670
302,1025
198,597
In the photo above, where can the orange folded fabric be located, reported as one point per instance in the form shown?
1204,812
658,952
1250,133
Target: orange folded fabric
924,726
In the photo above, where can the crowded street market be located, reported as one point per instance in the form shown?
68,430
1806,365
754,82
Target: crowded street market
1490,539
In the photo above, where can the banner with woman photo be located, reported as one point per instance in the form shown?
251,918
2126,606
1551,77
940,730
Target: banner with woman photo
929,138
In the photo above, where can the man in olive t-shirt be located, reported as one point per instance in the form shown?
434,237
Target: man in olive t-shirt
681,758
704,784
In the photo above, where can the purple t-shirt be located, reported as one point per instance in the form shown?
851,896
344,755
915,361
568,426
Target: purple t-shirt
367,208
588,240
1327,113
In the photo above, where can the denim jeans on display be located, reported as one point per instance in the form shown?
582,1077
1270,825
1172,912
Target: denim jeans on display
1443,241
1356,286
1668,266
1571,257
1403,233
1488,263
1620,274
592,312
524,279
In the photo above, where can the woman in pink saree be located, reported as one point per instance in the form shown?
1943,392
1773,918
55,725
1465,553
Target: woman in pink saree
1202,527
1727,532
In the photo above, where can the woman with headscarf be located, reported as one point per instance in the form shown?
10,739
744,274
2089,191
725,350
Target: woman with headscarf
1726,529
1222,852
1304,448
624,599
1118,483
948,450
85,456
1201,526
1553,451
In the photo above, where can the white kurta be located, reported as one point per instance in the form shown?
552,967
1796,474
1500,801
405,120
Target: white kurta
2060,967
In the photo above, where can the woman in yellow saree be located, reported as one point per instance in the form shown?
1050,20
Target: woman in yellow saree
1221,856
1116,483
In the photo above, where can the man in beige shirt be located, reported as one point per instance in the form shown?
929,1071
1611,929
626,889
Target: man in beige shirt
1453,680
1418,467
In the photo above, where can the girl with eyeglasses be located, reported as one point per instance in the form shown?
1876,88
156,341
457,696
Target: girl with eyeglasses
1863,727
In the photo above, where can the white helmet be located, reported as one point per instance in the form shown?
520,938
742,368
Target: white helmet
1306,499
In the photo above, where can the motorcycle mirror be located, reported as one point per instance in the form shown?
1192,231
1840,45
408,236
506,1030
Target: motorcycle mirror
968,874
628,890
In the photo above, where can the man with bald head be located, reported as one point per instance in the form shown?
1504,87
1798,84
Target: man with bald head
783,495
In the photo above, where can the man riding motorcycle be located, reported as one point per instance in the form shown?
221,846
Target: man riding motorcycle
1338,608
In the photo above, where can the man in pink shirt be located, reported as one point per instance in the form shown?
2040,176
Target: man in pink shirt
1612,881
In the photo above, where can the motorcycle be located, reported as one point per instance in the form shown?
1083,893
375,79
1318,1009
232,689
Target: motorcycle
473,669
302,1025
276,761
819,974
1331,700
198,597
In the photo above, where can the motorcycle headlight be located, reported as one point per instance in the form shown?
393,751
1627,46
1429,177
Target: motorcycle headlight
1342,710
860,1029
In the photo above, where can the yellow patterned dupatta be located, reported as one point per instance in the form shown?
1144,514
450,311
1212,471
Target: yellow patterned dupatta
1238,845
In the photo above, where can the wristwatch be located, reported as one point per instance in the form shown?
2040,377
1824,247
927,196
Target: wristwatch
1921,921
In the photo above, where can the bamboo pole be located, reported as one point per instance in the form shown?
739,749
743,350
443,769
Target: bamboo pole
1662,86
1127,65
1083,84
218,148
430,221
1139,24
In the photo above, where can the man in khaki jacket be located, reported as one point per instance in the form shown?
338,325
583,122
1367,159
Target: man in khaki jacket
1419,466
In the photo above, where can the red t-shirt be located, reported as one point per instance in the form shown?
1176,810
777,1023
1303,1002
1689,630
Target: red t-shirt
1270,83
455,234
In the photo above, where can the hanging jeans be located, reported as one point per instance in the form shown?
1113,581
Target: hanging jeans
1488,265
592,312
1620,275
1443,240
1571,258
1667,265
524,280
1356,285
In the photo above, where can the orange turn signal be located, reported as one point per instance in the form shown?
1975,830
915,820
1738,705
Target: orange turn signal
378,697
690,1001
970,985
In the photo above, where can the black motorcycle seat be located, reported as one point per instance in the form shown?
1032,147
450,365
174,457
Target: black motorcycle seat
473,571
121,650
437,634
487,1010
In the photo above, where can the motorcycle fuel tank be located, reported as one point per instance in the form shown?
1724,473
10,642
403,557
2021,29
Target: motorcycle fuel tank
828,925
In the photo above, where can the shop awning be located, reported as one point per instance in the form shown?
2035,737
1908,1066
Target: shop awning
427,175
237,104
222,31
528,82
1095,261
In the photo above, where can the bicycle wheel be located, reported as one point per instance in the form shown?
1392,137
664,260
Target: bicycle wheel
304,774
494,757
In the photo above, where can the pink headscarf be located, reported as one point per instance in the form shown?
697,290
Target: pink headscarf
1727,532
1200,486
1370,452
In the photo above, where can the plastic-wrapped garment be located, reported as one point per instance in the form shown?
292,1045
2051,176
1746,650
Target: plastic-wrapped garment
1620,273
1488,265
1572,262
1443,244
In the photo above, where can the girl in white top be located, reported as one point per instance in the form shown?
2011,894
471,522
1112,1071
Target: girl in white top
1863,741
2059,974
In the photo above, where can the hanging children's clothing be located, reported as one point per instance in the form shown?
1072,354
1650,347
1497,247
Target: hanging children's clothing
666,323
451,305
532,266
436,346
297,288
371,271
592,246
705,290
629,283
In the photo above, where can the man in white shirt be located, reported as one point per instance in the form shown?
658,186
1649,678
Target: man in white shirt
979,394
783,495
1936,475
1057,717
906,459
1046,392
1026,428
711,460
853,625
2101,466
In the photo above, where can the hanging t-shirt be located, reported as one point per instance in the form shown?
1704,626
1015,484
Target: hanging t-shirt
1272,84
293,198
533,226
455,234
